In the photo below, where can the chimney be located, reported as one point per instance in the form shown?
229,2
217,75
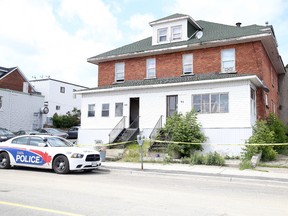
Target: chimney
238,24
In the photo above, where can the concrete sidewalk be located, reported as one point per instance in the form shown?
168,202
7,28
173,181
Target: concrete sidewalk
260,173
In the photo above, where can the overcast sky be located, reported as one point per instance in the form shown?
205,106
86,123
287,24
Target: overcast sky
55,37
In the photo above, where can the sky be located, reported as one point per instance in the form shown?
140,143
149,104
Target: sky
54,38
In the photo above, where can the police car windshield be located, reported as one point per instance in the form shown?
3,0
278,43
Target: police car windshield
58,142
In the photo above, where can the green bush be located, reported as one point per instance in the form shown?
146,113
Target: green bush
246,164
214,159
261,135
66,121
183,128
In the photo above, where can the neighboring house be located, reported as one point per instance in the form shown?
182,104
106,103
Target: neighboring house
227,74
21,107
283,96
59,96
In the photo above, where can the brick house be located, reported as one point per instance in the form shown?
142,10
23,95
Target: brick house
20,105
227,74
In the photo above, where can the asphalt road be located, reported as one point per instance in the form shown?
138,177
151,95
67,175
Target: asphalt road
41,192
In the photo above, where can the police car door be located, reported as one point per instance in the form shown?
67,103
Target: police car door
38,155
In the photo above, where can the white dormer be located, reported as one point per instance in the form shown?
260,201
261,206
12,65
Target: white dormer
174,28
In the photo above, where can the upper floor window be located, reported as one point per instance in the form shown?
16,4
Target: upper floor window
211,103
74,95
57,107
176,32
228,60
118,109
119,71
151,68
162,35
187,63
1,103
62,89
105,110
91,110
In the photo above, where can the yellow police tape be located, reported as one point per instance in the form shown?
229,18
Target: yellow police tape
186,143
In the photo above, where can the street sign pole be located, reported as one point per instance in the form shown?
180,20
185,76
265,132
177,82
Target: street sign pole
140,140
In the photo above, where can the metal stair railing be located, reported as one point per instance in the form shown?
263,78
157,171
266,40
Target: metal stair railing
155,130
117,130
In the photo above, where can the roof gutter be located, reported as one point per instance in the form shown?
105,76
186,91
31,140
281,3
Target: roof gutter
253,78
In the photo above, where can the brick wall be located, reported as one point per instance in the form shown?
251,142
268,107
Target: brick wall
13,81
251,58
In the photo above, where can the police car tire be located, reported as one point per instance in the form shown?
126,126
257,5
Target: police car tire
61,159
6,165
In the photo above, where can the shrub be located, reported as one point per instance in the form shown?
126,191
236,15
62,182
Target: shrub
214,159
261,135
66,121
183,128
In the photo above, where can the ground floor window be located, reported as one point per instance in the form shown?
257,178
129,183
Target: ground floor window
91,110
211,103
105,110
118,109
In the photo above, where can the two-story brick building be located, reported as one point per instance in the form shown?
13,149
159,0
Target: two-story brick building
227,74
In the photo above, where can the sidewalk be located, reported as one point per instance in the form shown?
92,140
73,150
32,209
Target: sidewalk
230,170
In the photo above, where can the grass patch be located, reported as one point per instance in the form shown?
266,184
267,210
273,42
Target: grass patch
132,152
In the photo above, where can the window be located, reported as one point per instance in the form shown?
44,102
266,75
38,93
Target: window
91,110
187,61
151,68
62,89
119,72
105,110
210,103
118,109
57,107
1,102
162,35
21,141
253,101
176,32
228,60
74,95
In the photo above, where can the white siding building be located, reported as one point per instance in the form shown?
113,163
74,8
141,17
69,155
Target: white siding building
20,110
59,96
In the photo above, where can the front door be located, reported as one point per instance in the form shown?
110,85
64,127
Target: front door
171,105
134,113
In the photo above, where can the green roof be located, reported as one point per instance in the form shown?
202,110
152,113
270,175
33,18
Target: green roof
171,80
211,32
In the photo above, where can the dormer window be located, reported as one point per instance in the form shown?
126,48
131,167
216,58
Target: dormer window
176,32
162,35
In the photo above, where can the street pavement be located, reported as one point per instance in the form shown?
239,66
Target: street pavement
231,170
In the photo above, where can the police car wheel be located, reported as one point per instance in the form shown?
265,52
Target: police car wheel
61,164
4,161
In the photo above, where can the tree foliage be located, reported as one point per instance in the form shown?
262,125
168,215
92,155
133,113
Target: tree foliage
183,128
66,121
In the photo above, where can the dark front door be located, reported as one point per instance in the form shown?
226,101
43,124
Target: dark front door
171,105
134,113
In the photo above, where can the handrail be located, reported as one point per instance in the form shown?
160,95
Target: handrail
117,130
135,123
155,130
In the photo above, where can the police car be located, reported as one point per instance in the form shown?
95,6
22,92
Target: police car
49,152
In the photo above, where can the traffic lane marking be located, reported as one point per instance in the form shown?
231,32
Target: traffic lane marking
38,208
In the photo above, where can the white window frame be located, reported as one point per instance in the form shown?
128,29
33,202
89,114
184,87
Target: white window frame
91,110
105,110
228,60
176,32
187,63
162,35
119,71
150,68
118,109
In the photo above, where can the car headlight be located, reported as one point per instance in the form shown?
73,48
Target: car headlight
77,155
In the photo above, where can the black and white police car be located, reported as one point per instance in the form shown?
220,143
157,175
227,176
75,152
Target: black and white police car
48,152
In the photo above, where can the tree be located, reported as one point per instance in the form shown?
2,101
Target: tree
66,121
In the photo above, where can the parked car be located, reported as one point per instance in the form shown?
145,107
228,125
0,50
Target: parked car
47,152
54,132
26,132
73,132
5,134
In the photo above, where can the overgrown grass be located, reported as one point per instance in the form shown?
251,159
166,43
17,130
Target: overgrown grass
132,152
